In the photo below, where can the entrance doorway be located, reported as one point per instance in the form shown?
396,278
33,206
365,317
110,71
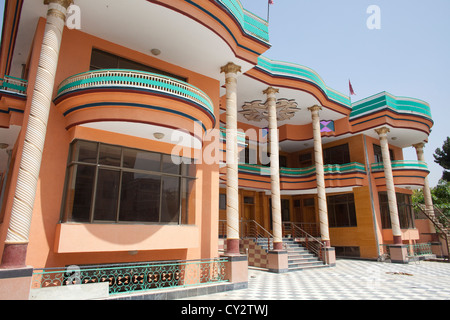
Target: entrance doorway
305,214
249,209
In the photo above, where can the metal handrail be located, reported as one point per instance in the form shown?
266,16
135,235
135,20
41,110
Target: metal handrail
311,243
252,229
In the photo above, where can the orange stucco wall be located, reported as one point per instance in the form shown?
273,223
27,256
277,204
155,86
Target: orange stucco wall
54,244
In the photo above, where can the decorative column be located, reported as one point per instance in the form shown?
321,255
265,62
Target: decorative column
271,104
14,254
231,71
426,187
390,187
320,177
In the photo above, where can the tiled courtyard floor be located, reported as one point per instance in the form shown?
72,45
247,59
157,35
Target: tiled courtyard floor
348,280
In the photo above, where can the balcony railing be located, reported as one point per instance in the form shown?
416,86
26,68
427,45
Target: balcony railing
401,165
303,172
127,278
121,78
14,85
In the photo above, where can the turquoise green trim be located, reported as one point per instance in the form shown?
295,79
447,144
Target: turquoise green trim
402,165
16,88
136,81
288,172
286,69
385,100
248,21
240,137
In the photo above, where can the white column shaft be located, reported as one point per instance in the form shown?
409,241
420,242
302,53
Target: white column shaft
320,177
390,187
30,164
274,166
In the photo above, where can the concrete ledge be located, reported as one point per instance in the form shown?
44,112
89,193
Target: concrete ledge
15,283
182,293
89,291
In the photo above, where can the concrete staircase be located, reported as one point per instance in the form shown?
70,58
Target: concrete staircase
299,258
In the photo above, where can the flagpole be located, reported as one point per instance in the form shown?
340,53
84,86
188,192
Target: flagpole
268,10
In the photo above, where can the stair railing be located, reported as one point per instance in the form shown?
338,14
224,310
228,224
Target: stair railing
311,243
252,229
440,221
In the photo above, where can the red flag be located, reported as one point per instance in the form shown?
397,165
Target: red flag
351,88
270,1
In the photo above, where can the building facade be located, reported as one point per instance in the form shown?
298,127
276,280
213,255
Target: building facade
137,131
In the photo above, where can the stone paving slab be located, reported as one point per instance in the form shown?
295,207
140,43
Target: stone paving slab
348,280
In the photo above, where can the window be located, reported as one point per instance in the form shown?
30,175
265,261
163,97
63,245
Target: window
404,207
305,160
249,200
105,60
336,155
378,155
283,162
347,252
341,210
107,183
222,201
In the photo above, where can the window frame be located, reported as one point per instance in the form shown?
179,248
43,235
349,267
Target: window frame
74,163
351,217
342,151
404,208
136,65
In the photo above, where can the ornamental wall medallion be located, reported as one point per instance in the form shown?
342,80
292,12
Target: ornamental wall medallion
257,110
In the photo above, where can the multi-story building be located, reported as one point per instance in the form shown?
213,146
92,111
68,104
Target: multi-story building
122,123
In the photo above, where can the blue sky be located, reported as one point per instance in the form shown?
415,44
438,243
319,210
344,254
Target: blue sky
408,56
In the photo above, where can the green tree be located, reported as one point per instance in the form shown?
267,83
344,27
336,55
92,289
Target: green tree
442,157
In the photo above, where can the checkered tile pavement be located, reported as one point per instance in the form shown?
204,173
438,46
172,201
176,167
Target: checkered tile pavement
348,280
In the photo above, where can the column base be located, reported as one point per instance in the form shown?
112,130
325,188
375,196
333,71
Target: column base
277,261
329,256
398,240
233,247
236,268
15,284
14,256
399,253
278,246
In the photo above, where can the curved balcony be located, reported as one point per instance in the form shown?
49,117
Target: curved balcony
133,96
249,22
305,74
405,172
398,112
336,176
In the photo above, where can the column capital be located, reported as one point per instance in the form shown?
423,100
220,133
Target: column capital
419,145
65,3
271,90
382,131
230,67
315,108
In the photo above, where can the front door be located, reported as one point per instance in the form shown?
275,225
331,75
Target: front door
308,211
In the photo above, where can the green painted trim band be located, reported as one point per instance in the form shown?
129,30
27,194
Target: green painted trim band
298,71
382,100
